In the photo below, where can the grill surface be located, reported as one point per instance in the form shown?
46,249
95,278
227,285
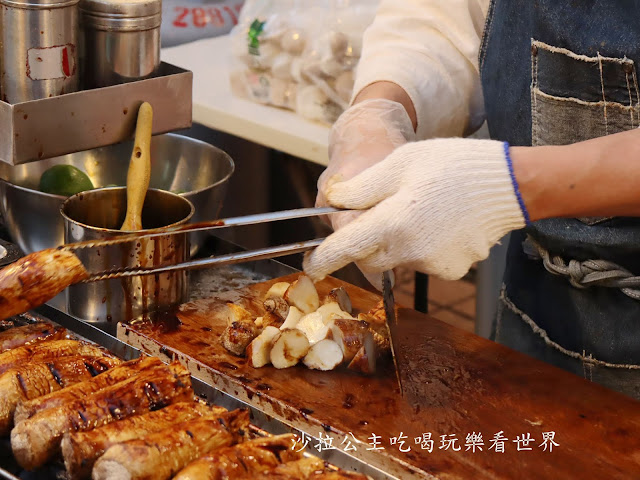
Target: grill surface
203,284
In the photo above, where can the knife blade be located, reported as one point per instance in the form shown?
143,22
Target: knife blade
392,321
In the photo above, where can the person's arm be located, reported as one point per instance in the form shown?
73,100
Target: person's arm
417,78
423,54
388,91
439,205
598,177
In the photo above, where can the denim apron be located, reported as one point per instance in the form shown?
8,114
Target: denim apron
558,72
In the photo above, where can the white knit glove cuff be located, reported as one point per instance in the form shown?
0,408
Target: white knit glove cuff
437,206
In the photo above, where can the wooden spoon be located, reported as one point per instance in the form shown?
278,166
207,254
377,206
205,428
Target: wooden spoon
139,169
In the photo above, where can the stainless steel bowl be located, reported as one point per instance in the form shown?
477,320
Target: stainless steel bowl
196,170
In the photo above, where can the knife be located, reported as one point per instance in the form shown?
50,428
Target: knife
392,321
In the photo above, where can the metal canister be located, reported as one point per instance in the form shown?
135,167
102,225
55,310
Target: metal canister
120,40
38,57
97,215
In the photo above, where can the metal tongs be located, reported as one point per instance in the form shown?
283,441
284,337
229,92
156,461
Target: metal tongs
227,259
233,258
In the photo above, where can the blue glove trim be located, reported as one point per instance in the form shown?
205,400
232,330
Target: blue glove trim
514,182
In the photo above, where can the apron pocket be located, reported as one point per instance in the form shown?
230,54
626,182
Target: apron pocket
576,97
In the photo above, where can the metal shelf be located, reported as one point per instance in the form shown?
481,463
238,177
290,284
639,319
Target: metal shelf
87,119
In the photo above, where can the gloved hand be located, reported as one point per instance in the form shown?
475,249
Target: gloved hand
436,206
363,136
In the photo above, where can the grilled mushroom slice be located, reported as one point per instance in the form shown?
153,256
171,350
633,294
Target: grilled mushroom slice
324,355
341,297
237,336
277,290
271,320
277,306
292,319
313,326
303,294
288,348
365,360
259,350
351,335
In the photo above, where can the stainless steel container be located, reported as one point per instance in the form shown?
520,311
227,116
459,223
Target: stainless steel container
98,214
120,40
38,58
196,170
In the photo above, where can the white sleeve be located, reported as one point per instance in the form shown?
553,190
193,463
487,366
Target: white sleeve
430,49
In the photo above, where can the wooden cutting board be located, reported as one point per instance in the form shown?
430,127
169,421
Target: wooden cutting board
473,386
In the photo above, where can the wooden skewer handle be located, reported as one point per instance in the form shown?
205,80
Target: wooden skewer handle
139,169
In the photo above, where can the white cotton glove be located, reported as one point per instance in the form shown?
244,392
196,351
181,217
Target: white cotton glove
436,206
363,136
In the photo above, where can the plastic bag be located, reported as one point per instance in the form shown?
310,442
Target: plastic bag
299,55
188,20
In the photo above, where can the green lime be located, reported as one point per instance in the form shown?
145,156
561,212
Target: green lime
64,180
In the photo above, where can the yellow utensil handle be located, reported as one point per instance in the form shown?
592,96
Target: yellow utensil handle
139,169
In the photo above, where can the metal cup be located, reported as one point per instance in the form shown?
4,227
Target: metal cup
96,215
120,40
38,54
